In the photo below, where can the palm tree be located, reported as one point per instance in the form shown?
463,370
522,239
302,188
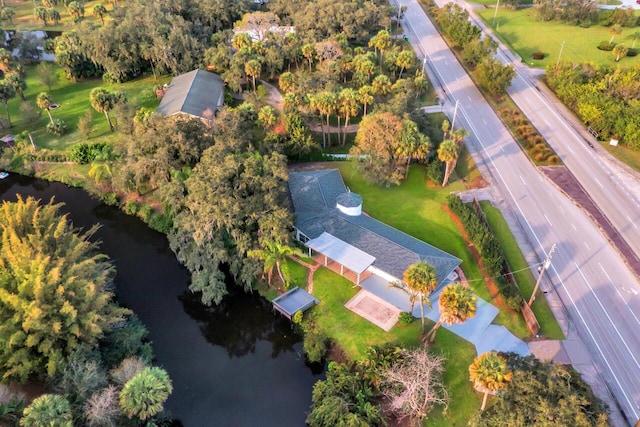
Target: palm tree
489,372
309,52
412,143
412,294
44,102
365,97
252,68
48,410
448,152
404,61
143,396
421,278
619,51
100,11
348,106
614,30
326,104
457,304
272,256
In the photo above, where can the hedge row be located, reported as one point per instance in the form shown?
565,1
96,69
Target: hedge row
490,251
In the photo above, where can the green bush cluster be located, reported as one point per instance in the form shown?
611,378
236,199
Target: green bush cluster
405,318
606,46
86,153
535,145
435,171
488,247
159,221
57,127
44,155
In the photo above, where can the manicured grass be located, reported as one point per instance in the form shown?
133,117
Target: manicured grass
298,274
526,281
626,155
515,27
417,209
354,335
73,98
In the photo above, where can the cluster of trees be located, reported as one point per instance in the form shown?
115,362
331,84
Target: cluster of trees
158,36
574,12
388,383
59,323
605,99
385,145
541,394
488,247
12,84
477,51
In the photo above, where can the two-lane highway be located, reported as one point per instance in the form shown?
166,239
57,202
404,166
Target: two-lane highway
594,284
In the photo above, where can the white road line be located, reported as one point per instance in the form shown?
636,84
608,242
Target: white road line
522,179
547,218
631,405
598,182
484,121
540,178
606,313
619,294
469,98
632,223
561,210
585,243
446,63
571,149
502,148
574,227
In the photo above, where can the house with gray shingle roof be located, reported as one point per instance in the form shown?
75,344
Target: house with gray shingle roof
329,219
197,93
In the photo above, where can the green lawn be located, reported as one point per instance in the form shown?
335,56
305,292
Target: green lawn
417,209
548,325
298,274
355,334
516,27
24,19
73,98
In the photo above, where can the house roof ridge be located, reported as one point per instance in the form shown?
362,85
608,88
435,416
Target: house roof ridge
188,91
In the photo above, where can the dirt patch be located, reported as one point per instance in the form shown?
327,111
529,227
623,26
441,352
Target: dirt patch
491,285
476,183
311,166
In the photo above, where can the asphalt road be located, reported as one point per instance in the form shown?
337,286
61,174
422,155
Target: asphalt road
596,287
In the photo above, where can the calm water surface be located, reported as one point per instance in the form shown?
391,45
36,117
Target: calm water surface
237,364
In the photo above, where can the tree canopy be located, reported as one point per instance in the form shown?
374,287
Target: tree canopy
54,289
543,394
236,200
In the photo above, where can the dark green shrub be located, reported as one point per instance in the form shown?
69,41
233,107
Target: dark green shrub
110,199
315,345
537,55
405,318
435,171
131,207
632,52
57,128
125,340
606,46
145,213
160,222
604,17
86,153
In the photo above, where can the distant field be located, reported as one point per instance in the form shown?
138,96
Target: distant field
525,35
24,19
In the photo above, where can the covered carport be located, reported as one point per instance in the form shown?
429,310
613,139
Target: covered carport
339,251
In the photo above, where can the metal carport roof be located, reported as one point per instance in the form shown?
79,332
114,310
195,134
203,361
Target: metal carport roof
341,252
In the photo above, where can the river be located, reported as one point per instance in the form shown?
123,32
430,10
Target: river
237,364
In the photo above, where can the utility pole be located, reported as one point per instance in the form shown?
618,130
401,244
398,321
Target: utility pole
545,266
496,13
559,54
455,113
